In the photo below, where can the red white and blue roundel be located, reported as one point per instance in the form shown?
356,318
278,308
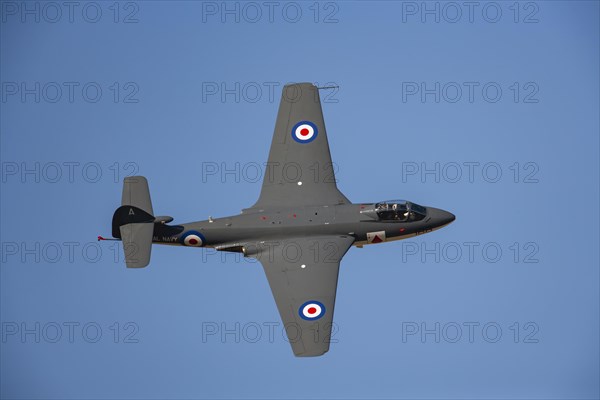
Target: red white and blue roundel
304,132
193,238
311,310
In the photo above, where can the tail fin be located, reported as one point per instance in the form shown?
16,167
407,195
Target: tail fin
133,222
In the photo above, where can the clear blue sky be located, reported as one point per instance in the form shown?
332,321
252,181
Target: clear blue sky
516,274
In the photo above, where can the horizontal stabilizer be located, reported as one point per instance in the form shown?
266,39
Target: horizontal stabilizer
137,243
133,222
136,193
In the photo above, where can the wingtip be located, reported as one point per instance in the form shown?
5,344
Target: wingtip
301,84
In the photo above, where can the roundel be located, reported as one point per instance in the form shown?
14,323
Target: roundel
193,238
311,310
304,132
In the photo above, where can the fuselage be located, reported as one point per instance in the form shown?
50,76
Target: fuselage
345,219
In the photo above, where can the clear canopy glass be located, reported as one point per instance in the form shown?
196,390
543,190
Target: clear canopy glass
399,210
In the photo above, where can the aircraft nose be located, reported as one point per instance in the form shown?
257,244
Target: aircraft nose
440,217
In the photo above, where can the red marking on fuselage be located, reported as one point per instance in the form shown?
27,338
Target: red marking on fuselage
312,310
304,132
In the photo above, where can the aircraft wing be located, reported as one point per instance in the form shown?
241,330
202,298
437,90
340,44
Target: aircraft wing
299,171
303,275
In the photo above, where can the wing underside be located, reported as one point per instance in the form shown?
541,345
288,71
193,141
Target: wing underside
303,276
299,170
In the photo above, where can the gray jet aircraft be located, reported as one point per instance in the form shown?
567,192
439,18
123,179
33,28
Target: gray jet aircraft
299,229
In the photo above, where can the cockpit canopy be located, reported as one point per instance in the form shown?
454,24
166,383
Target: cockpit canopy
399,210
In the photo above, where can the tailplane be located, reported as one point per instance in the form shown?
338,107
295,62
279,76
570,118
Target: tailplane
133,222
